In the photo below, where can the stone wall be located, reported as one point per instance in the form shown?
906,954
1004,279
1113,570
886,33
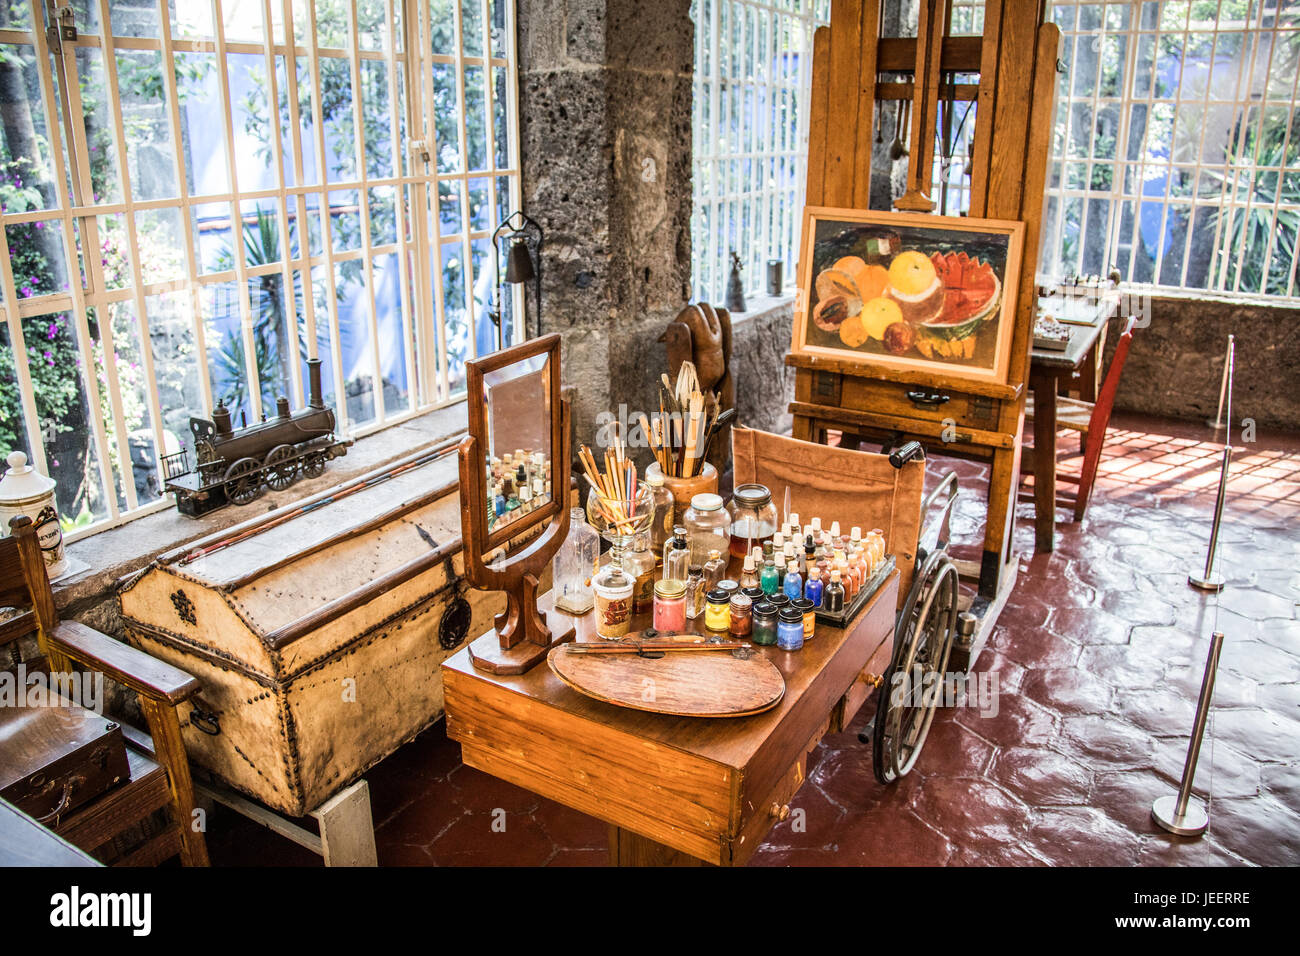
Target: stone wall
605,111
1175,365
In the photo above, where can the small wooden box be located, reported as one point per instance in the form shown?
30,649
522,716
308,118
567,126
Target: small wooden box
317,637
58,758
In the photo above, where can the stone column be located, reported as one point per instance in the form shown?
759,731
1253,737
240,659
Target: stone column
605,116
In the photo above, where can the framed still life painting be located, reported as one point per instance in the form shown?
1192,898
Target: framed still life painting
909,291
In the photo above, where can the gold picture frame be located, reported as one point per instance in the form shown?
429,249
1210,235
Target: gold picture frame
911,292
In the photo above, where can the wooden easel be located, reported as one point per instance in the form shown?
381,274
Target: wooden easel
1016,61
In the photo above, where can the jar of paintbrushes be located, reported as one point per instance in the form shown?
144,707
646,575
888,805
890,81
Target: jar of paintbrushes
620,508
680,436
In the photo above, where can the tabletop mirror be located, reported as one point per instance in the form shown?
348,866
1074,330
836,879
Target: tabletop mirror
514,472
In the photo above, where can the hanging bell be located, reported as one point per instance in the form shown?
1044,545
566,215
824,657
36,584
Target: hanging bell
519,263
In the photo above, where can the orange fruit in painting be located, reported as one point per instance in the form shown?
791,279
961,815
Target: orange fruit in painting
879,314
852,332
911,273
873,281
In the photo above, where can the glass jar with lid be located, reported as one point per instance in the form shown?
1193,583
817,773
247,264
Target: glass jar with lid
753,518
708,527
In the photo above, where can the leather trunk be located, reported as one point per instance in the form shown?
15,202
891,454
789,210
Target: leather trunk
317,631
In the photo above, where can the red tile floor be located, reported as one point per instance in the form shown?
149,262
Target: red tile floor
1098,657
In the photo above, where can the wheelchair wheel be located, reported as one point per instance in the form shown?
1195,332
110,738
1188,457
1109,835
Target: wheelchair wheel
914,682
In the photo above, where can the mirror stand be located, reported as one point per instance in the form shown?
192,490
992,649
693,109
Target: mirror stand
521,638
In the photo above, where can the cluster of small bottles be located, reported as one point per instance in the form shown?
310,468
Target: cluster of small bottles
823,566
517,483
785,579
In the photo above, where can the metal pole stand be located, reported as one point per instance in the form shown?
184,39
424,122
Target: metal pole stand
1176,813
1217,421
1210,581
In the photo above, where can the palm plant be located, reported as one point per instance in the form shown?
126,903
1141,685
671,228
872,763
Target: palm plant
274,345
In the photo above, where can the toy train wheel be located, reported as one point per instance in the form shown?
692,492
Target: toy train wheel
281,467
313,466
244,481
914,683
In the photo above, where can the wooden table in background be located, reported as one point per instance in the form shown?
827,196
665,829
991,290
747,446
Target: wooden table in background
675,790
1049,371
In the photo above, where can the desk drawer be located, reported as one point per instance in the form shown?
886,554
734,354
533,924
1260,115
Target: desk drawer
907,401
774,806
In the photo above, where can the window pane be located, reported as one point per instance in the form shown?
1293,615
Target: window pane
26,161
54,361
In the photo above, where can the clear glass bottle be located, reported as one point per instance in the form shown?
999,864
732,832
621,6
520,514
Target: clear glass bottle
696,592
574,566
753,518
708,527
661,524
639,562
748,574
677,556
715,569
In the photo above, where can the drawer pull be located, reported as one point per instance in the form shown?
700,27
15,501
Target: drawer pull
927,398
780,812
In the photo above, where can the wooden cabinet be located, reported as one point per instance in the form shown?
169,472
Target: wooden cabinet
708,789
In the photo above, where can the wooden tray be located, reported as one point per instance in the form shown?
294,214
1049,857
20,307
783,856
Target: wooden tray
860,599
684,684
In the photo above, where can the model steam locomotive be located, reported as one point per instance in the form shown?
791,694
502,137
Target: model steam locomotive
238,466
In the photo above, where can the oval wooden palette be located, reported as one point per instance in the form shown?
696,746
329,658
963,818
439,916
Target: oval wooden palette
684,684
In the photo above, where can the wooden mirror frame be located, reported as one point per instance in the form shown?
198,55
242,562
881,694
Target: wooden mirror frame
521,638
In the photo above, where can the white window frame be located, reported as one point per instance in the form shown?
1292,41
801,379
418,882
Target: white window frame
414,181
774,214
1128,176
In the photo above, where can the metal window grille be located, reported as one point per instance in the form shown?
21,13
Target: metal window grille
753,71
1176,154
197,196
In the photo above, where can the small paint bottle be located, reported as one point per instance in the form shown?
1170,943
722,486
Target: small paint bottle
670,607
833,597
742,615
813,589
717,612
805,607
764,624
793,583
770,579
789,630
748,575
695,592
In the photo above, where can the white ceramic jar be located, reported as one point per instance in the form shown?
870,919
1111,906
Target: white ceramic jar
25,491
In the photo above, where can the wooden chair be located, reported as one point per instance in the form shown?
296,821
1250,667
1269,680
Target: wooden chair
160,773
1091,421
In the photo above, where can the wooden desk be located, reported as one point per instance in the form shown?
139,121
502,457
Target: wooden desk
1048,371
675,790
24,842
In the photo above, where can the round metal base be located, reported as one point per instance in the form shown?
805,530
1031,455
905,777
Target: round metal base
1191,823
1212,583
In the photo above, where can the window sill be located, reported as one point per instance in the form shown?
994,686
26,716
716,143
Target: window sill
762,307
121,550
